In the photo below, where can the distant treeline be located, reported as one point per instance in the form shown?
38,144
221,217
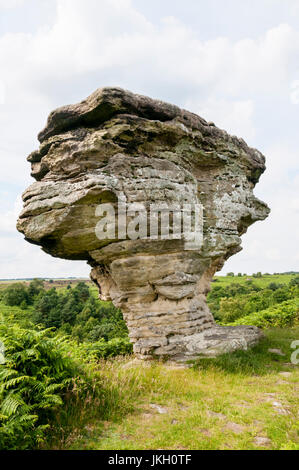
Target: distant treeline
72,311
43,279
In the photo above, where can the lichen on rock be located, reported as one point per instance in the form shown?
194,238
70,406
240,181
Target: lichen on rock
116,144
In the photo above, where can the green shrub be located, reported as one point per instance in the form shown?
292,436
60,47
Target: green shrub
280,315
231,309
114,347
294,282
235,301
24,305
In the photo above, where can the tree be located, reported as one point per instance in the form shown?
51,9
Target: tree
259,274
47,309
15,295
81,292
35,287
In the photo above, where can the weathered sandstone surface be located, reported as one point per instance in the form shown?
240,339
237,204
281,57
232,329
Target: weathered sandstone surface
116,144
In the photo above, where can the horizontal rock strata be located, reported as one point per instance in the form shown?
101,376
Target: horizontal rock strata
117,146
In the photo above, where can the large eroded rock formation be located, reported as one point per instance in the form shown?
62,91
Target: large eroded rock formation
116,144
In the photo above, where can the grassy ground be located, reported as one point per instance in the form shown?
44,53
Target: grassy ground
262,282
59,284
245,400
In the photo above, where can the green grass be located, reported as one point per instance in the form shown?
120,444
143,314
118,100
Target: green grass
224,403
230,402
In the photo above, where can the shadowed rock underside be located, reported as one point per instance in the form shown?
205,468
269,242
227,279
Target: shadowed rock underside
118,143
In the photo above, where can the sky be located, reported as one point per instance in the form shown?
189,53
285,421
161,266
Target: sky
234,63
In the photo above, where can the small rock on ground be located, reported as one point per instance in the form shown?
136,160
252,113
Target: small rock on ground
262,441
147,415
236,428
172,365
159,408
279,408
136,363
276,351
205,432
212,414
285,374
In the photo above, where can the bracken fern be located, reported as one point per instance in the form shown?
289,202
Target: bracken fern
36,375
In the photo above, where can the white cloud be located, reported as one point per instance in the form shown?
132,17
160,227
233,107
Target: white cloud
271,246
8,218
273,254
21,260
2,92
294,95
242,85
8,4
97,36
236,117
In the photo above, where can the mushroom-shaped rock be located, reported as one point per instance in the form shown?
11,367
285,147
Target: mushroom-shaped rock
155,199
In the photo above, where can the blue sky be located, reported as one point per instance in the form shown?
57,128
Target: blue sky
235,63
